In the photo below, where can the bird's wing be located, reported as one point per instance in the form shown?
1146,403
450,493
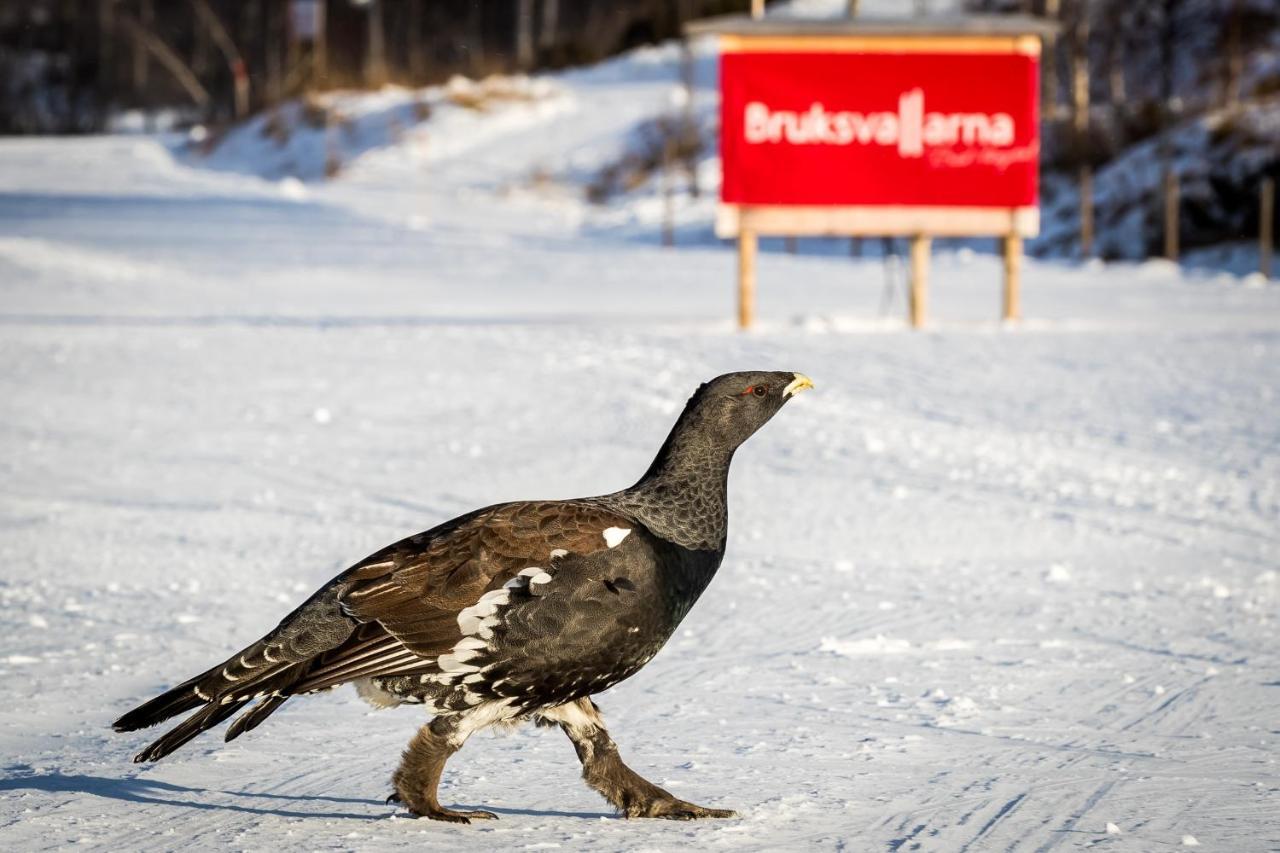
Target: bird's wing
407,597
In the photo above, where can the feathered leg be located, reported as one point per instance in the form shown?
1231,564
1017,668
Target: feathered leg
418,777
603,770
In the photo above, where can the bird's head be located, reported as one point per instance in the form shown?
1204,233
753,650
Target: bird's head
730,408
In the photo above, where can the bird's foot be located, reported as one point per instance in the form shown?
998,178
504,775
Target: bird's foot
451,816
429,808
674,809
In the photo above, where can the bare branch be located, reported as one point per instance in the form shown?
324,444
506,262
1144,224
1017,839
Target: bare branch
165,56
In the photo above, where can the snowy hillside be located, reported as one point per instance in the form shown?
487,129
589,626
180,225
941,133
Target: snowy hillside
987,588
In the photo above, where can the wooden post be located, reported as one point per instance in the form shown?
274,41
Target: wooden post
790,243
1012,277
1235,55
746,278
757,9
919,303
1170,215
1086,211
1266,225
524,35
375,63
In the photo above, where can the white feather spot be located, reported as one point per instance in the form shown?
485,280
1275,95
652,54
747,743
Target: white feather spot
558,552
450,663
475,619
613,536
540,578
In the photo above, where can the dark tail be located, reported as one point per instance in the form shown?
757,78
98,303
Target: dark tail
179,700
268,671
218,693
250,719
206,718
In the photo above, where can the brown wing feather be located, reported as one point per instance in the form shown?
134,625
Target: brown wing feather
408,595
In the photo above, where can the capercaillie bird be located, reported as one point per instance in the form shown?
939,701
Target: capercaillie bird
519,611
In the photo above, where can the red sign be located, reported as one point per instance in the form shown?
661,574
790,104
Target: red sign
931,129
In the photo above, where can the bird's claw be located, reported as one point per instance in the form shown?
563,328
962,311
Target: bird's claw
451,816
674,809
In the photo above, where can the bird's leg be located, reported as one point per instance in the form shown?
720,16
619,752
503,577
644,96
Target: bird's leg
418,776
603,770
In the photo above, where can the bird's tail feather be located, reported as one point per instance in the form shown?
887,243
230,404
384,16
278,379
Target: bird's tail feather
251,718
221,691
179,700
204,719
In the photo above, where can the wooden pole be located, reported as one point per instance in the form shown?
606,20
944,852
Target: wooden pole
1266,225
1170,215
746,278
1086,211
790,243
146,22
757,8
1012,277
524,35
1235,55
919,302
375,68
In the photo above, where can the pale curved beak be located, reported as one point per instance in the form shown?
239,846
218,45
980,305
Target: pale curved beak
797,385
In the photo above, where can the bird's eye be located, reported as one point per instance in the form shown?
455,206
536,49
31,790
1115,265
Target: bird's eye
759,390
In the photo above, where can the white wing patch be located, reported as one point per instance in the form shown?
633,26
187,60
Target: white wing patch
613,536
479,618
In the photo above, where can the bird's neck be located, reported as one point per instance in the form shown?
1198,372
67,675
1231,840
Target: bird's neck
683,497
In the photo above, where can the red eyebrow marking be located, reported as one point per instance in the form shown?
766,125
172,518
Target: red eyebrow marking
750,388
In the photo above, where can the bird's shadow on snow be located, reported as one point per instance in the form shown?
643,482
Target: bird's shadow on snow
506,810
153,792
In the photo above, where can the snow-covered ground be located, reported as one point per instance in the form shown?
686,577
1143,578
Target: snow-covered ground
987,588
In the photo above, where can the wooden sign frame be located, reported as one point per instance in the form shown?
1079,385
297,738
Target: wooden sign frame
970,34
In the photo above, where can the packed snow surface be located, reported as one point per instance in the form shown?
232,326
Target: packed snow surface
987,588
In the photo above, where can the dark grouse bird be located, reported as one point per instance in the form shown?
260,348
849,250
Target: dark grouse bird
520,611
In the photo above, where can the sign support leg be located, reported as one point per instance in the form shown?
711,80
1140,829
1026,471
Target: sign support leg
746,278
1012,277
919,301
